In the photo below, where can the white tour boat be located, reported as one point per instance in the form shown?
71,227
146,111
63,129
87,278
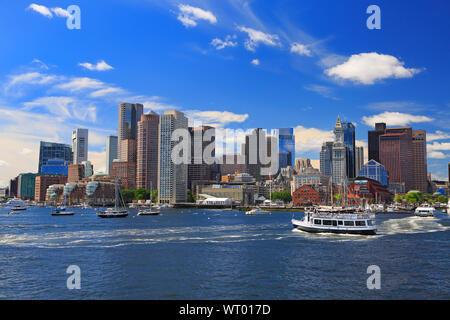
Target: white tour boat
337,220
424,211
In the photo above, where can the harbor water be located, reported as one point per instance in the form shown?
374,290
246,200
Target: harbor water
218,254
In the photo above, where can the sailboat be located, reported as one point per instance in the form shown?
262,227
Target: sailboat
61,210
119,210
150,211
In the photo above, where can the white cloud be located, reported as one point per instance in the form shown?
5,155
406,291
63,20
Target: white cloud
60,12
221,44
255,62
394,119
34,78
300,49
43,10
4,163
99,66
324,91
438,146
438,135
310,139
78,84
189,15
437,155
40,63
98,160
255,37
214,118
25,151
367,68
106,91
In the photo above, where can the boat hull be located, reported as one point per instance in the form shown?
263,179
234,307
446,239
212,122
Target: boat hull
62,214
148,213
337,231
111,216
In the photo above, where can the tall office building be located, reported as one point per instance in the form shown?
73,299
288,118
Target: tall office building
373,141
349,142
80,145
396,155
198,169
419,141
88,169
359,159
286,147
301,164
172,178
339,155
147,151
326,157
375,171
129,116
26,186
51,150
111,152
252,152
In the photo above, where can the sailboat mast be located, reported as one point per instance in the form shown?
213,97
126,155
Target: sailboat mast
116,192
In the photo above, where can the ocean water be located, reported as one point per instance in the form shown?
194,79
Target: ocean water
214,254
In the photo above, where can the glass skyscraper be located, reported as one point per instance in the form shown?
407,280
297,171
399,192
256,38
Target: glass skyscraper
286,146
51,150
349,142
374,170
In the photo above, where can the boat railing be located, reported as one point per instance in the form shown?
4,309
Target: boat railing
351,216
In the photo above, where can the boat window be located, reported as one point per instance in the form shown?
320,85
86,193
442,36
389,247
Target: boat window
360,223
370,222
334,222
340,222
317,221
327,222
349,223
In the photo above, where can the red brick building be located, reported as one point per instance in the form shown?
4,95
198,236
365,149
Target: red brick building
305,195
364,189
125,172
76,172
45,181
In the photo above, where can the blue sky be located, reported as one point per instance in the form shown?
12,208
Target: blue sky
236,64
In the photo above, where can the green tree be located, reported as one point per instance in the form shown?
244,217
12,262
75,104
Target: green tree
285,196
128,195
141,194
442,199
154,195
190,197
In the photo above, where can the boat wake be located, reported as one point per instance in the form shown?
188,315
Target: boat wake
411,225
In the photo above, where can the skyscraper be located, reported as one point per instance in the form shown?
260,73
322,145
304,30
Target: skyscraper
51,150
252,152
80,145
396,155
373,141
111,152
339,156
326,157
349,142
419,141
359,159
172,178
198,169
147,151
129,116
375,171
286,146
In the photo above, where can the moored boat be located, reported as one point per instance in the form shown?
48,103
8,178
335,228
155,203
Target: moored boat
424,211
119,210
257,211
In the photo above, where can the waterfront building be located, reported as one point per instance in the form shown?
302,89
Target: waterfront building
375,171
147,151
43,182
198,169
309,176
4,192
326,157
364,189
80,145
55,166
301,164
172,178
339,155
286,146
349,142
373,141
94,193
359,159
26,185
238,178
51,150
239,193
129,116
125,173
305,195
111,152
75,172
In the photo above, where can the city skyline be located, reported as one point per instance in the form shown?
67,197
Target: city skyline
269,73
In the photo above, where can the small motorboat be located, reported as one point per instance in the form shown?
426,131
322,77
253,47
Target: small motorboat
256,211
58,212
148,212
424,211
113,213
